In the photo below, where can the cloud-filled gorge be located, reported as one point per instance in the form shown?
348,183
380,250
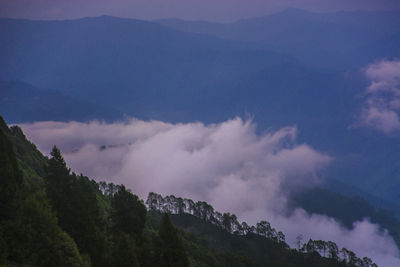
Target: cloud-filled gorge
228,165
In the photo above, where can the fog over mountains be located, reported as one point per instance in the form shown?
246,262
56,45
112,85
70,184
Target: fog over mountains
227,164
291,68
334,77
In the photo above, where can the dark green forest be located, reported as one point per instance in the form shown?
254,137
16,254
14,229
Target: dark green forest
51,216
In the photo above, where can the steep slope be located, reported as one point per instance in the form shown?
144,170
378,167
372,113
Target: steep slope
30,159
29,234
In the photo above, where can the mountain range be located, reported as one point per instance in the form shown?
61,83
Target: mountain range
291,68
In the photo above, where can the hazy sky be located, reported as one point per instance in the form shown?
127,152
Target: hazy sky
213,10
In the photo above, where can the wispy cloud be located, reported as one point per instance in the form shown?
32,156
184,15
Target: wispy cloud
227,164
382,106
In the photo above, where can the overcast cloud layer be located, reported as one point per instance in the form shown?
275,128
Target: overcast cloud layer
226,164
382,107
213,10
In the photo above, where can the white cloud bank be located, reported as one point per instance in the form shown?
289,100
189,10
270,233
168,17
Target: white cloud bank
382,107
228,165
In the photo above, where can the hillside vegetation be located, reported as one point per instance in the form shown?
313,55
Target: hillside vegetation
51,216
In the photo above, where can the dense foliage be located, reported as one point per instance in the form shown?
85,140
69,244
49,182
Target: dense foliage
29,233
32,163
262,231
203,210
64,219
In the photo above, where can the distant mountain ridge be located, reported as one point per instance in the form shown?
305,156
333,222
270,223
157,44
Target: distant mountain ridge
21,102
311,37
151,71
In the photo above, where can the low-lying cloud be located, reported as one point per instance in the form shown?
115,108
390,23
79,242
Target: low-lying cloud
228,165
382,107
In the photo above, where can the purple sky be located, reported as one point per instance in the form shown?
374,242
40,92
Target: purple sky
212,10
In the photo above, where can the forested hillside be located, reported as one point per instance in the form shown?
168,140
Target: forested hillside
51,216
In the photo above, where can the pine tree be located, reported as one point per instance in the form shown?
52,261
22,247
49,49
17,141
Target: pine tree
170,249
11,181
124,251
128,217
128,213
29,234
74,201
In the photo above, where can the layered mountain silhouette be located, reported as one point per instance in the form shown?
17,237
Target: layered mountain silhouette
291,68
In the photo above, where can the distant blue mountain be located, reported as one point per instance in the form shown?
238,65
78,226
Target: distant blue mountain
268,68
319,39
125,63
21,102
